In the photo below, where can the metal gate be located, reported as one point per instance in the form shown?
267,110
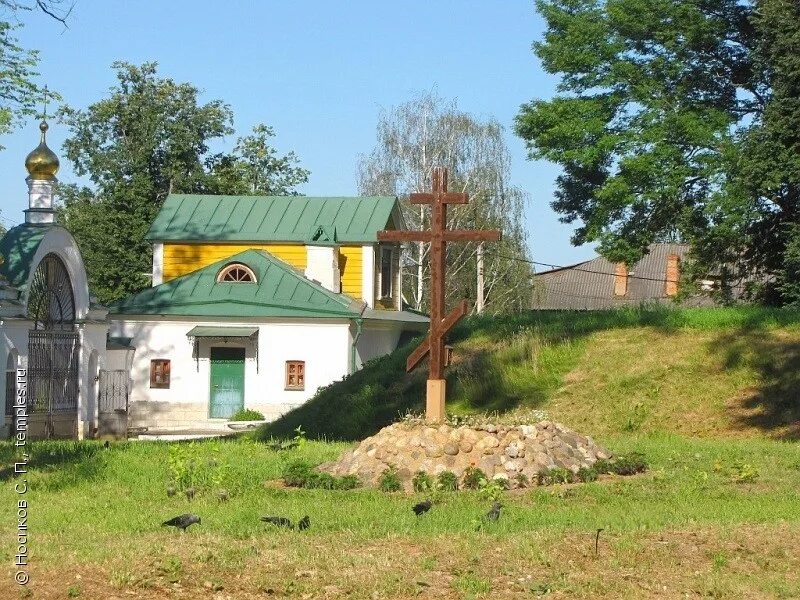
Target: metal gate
53,372
113,391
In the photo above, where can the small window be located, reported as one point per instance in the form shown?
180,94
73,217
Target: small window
295,375
159,373
386,273
236,273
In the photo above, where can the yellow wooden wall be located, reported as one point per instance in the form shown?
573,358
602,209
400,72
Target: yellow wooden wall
180,259
350,266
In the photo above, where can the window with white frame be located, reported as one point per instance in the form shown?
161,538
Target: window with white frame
387,273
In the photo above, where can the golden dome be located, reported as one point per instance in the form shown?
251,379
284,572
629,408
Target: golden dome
42,163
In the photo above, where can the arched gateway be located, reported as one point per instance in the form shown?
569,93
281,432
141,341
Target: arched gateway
49,331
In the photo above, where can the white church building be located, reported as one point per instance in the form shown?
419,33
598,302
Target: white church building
256,303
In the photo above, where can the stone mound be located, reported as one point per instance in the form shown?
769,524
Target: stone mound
500,451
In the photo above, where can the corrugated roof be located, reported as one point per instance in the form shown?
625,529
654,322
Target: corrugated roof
17,249
590,285
270,218
279,291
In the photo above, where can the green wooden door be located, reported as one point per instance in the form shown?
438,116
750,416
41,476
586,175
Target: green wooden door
227,382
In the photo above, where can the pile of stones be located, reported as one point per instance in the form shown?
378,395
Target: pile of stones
500,451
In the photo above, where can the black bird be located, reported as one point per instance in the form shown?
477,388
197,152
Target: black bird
304,523
106,444
279,522
422,507
182,521
494,512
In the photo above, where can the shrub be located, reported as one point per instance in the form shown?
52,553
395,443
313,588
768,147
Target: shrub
493,489
473,477
299,473
602,466
556,475
246,414
422,482
586,475
629,465
389,481
348,482
521,480
447,481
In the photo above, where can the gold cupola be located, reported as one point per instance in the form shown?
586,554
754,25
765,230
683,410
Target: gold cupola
42,163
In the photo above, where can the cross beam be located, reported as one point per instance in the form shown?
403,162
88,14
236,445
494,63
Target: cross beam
437,237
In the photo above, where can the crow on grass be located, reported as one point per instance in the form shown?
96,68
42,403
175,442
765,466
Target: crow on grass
182,521
422,507
304,523
494,512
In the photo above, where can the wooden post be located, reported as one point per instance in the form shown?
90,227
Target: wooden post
438,236
480,283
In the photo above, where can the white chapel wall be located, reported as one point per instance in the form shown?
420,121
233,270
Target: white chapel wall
323,346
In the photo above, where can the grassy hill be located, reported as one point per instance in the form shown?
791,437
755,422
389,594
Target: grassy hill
704,372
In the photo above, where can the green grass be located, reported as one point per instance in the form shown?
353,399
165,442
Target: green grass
638,361
104,507
710,397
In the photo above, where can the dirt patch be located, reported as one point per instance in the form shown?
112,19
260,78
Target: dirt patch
746,561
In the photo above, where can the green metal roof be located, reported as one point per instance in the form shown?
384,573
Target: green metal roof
17,249
221,332
185,217
279,291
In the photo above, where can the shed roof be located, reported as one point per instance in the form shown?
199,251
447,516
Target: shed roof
279,291
185,217
17,249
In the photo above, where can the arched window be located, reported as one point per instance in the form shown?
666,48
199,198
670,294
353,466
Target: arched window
236,273
51,304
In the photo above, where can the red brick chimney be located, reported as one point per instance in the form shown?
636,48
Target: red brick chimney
673,274
620,279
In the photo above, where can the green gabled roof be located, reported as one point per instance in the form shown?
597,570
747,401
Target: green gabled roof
186,217
279,291
17,249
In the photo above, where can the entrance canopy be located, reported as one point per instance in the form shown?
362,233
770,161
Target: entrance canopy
202,331
221,333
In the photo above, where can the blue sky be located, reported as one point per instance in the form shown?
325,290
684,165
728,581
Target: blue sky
318,71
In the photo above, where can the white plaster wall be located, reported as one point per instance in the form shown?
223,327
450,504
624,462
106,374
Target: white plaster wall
368,275
13,336
376,340
158,263
324,347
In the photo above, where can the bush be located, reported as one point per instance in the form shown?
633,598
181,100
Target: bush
473,477
447,481
556,475
422,482
586,475
630,464
247,414
389,481
522,480
602,467
299,473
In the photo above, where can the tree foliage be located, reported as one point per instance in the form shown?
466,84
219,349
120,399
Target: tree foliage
674,118
150,137
426,132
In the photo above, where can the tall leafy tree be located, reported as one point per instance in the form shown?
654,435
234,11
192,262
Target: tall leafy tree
662,127
429,131
150,137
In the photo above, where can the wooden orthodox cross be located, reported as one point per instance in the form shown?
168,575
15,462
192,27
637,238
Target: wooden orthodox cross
438,236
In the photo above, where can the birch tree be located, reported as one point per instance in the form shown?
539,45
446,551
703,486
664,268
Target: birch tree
427,132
